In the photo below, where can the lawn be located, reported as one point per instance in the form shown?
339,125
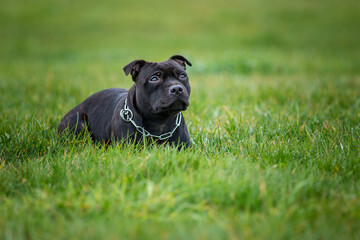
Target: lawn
273,117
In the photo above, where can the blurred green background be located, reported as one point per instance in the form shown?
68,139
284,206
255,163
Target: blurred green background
241,37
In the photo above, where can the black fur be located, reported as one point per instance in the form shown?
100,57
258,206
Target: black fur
160,91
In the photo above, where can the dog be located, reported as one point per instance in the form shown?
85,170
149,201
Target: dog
151,108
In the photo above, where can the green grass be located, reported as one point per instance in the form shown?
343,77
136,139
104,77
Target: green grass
274,121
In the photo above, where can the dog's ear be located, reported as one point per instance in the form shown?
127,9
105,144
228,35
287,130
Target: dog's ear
134,68
181,60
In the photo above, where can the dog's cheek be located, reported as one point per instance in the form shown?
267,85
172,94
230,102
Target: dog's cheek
155,98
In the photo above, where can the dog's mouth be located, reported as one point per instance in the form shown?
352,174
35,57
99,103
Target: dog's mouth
173,107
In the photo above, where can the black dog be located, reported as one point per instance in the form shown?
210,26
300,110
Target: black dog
151,108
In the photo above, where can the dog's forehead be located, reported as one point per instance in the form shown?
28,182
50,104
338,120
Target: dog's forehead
166,67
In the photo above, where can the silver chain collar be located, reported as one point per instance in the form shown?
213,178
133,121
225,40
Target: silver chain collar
127,115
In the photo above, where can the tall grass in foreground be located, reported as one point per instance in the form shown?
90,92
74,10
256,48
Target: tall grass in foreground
254,167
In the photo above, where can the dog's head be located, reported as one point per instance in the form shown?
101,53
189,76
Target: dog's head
161,88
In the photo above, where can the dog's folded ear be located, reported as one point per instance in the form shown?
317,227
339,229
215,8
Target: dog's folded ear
181,60
133,68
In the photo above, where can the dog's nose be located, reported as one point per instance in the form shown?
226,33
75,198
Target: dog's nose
176,90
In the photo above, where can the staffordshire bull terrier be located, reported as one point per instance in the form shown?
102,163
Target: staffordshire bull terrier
151,108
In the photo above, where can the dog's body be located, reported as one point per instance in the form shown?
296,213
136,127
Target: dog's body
152,106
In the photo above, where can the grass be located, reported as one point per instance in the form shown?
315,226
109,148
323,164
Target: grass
274,121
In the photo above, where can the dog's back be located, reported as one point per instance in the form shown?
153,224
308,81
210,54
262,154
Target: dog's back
96,110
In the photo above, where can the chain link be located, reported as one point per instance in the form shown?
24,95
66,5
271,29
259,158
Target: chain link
127,115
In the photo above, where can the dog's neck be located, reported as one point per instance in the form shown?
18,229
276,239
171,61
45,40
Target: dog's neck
154,123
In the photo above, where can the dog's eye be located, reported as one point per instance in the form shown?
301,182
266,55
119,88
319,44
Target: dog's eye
182,76
154,79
